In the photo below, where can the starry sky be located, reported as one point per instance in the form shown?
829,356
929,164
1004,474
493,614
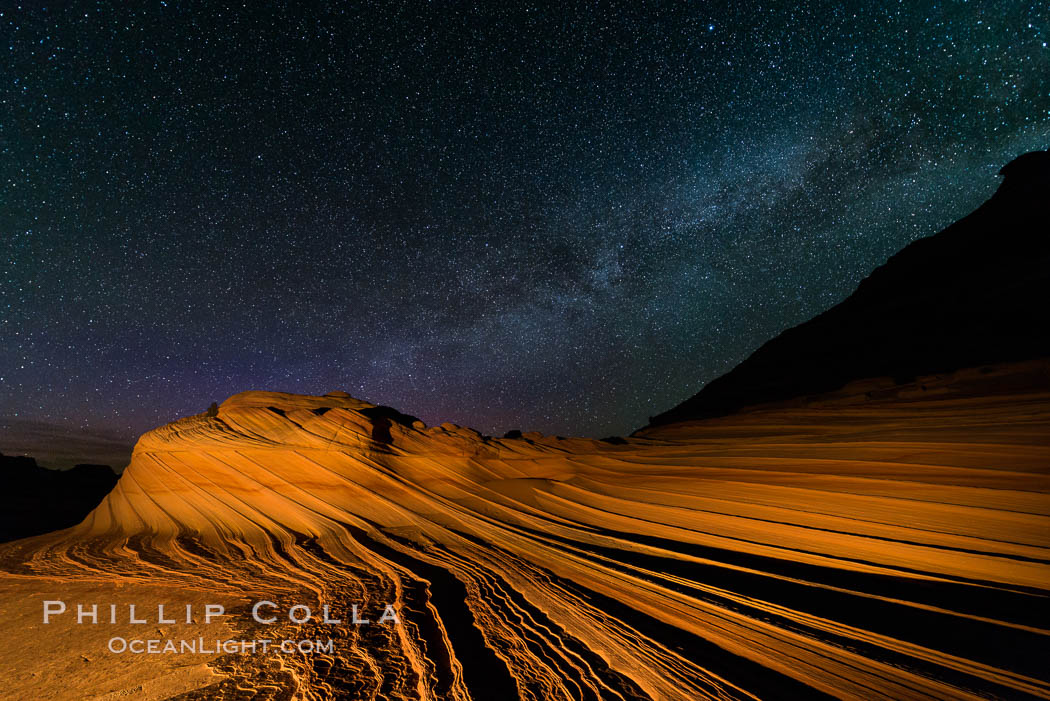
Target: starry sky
507,215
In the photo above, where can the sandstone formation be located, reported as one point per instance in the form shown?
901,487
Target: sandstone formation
861,510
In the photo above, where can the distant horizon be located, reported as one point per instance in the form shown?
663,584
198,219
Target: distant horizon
60,447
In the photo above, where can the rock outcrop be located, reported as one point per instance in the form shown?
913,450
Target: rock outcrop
890,550
971,295
37,500
879,528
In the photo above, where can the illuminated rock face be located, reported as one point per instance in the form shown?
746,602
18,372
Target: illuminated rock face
850,520
869,548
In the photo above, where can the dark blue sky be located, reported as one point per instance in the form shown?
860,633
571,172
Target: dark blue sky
506,217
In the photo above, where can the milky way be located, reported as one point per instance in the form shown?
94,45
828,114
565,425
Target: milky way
507,217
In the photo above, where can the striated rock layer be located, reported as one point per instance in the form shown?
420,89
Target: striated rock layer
875,546
864,513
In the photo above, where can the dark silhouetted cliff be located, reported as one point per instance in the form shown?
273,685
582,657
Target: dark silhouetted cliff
973,294
37,500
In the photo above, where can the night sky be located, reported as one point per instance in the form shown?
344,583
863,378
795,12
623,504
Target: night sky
501,215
